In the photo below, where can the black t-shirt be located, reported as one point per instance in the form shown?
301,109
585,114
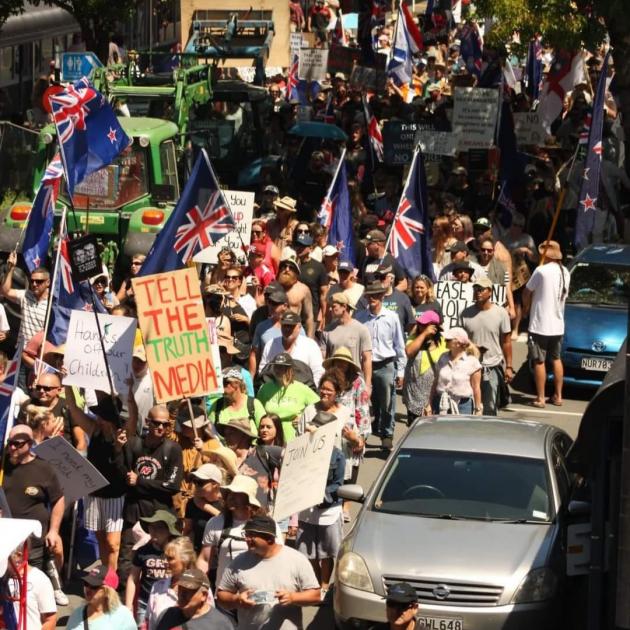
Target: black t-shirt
313,275
259,315
172,618
370,265
199,519
102,456
153,567
31,490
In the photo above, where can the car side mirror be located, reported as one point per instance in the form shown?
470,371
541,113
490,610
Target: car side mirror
351,492
579,508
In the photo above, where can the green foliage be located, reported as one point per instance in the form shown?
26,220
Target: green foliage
9,8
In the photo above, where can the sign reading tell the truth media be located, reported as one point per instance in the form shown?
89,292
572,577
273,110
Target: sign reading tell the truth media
454,297
173,325
83,359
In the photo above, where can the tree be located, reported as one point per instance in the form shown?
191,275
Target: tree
568,24
9,8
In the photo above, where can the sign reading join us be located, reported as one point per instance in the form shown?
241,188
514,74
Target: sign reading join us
173,325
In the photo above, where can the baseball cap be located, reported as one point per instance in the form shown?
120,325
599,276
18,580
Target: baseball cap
330,250
459,170
208,472
193,579
289,262
101,576
345,265
483,282
458,246
457,334
283,360
271,189
232,373
428,317
341,298
140,353
261,524
462,266
483,222
383,270
401,593
290,318
376,236
305,240
256,250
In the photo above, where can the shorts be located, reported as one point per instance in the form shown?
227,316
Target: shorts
318,542
104,514
539,346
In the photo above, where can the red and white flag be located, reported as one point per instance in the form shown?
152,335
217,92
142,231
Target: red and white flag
374,131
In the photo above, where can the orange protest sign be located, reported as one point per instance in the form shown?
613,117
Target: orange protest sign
173,325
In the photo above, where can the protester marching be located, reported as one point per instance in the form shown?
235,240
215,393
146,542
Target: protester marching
179,409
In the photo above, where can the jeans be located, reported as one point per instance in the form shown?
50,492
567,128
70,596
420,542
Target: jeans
384,399
490,389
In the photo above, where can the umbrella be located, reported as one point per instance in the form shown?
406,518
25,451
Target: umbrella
318,130
249,175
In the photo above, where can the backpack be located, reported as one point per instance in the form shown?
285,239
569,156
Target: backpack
302,373
251,409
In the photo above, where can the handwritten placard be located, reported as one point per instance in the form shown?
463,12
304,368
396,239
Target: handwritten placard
77,476
454,297
173,325
313,63
304,471
475,117
83,359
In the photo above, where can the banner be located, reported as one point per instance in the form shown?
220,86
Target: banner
399,141
313,63
83,359
528,128
304,471
343,59
242,207
475,117
77,476
173,325
436,142
296,41
454,297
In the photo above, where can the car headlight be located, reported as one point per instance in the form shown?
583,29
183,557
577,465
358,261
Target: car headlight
537,586
352,571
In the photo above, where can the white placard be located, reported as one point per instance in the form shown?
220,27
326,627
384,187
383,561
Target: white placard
304,471
296,41
77,476
436,142
454,297
313,64
475,117
528,128
241,205
213,338
83,359
304,113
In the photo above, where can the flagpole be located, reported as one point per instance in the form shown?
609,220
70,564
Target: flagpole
334,179
411,168
51,293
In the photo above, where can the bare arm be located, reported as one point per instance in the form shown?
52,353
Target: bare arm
205,558
526,298
323,294
81,420
133,579
506,346
366,365
6,289
309,597
49,620
475,383
79,439
251,363
307,307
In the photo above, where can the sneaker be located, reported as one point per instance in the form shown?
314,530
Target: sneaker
61,598
387,443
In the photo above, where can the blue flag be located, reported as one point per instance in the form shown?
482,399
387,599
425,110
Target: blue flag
589,191
471,48
200,218
41,216
68,295
533,69
409,239
90,136
6,392
336,214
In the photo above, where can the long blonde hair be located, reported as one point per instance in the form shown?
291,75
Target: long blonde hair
184,549
111,599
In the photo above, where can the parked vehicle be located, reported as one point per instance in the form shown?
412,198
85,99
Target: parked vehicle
469,511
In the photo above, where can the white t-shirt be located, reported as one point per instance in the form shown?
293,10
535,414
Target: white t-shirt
248,304
549,285
40,598
233,545
304,349
4,322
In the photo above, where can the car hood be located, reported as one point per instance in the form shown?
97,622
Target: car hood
585,324
463,551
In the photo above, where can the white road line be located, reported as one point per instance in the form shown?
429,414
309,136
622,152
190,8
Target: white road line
544,411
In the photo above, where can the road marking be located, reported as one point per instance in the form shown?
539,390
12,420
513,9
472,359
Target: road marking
544,411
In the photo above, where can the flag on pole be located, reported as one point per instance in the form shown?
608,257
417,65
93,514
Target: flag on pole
533,69
407,42
567,70
327,114
374,131
471,48
200,218
338,34
90,136
292,78
409,239
7,387
589,192
336,214
40,218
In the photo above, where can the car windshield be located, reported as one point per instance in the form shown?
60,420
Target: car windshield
444,484
598,284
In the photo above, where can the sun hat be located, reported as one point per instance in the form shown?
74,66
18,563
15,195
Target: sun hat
208,472
483,282
161,516
457,334
290,262
553,250
341,354
238,424
243,484
227,343
286,203
226,456
261,524
374,288
462,265
428,317
342,298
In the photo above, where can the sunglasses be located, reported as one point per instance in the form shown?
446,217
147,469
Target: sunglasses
46,388
158,423
487,250
302,231
232,277
17,443
38,280
135,263
257,231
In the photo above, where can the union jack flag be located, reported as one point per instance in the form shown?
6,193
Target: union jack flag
404,228
292,78
90,136
203,227
374,131
200,218
6,392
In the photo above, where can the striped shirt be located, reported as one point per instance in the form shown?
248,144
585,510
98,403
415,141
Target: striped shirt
33,315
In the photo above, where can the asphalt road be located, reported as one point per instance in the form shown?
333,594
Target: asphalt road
566,417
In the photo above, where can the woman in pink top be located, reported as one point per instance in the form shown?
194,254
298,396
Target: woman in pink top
261,239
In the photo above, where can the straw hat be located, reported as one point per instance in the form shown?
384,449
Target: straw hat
341,354
286,203
244,485
226,456
553,250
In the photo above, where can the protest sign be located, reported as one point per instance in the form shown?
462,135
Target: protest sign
343,59
296,41
368,78
475,117
454,297
398,141
241,205
77,476
528,128
173,325
214,347
83,358
312,64
436,142
304,471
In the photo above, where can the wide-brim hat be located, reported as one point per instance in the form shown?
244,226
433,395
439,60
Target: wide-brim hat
161,516
239,424
341,354
374,288
553,251
243,484
286,203
227,343
226,456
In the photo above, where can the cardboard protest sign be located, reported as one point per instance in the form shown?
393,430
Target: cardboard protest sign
241,205
399,141
343,59
77,476
475,117
173,325
436,142
313,63
83,359
454,297
528,128
304,471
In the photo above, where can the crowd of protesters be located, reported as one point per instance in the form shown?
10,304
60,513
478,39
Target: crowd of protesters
183,530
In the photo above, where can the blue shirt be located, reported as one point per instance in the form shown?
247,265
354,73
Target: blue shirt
387,337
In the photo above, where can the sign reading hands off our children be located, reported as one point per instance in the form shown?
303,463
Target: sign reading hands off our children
173,325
